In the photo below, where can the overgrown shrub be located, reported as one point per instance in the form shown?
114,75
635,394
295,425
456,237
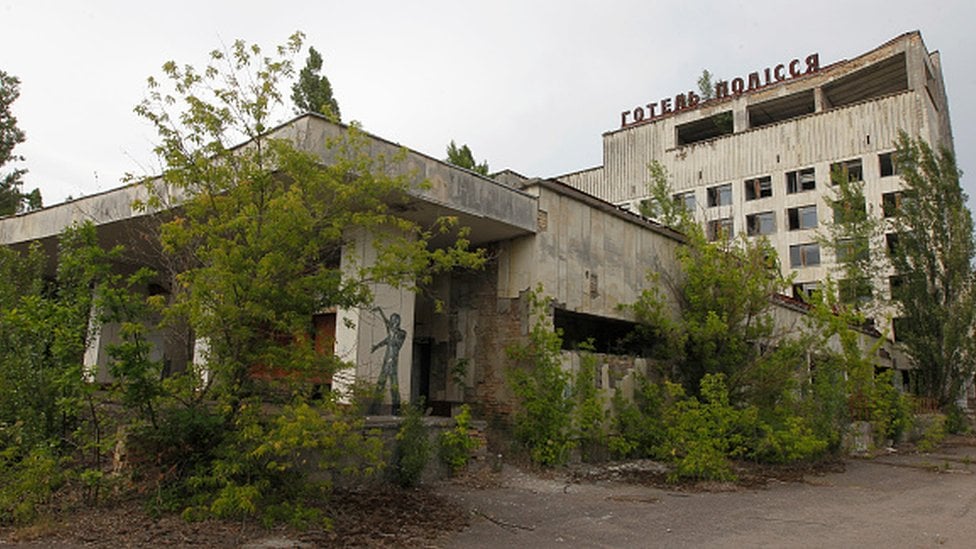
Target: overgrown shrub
544,421
589,415
703,435
455,445
27,481
891,410
637,427
794,440
933,435
413,447
957,422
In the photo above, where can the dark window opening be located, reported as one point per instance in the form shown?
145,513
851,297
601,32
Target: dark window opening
805,290
707,128
852,170
854,291
850,211
760,223
780,109
875,80
801,181
687,200
608,335
803,217
720,195
886,165
891,203
853,249
720,229
891,241
759,187
895,285
804,255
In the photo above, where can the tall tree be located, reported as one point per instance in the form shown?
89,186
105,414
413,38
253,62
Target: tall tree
12,200
462,157
856,237
313,92
934,285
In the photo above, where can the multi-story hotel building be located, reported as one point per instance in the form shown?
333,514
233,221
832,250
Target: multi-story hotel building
757,157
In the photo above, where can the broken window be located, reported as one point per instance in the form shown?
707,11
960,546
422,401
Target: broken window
803,217
886,164
687,200
852,249
850,211
891,203
608,335
720,195
891,241
895,284
706,128
720,229
760,223
805,255
759,187
801,181
805,290
780,109
854,291
849,169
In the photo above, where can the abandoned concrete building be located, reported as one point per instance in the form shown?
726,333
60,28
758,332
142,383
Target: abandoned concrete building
757,157
570,235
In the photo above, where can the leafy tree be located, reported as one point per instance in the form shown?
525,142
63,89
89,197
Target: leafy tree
12,200
462,157
706,86
933,263
255,249
313,92
852,235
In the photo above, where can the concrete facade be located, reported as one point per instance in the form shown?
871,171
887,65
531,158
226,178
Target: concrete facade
768,171
577,238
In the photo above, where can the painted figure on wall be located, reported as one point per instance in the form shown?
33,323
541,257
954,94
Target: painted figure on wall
395,337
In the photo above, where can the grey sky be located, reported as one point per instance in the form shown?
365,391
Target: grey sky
529,85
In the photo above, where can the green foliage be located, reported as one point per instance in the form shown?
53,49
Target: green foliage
637,427
703,434
852,234
957,422
265,464
544,420
892,410
933,435
933,261
455,445
413,447
464,158
794,440
262,227
26,481
589,414
313,92
12,200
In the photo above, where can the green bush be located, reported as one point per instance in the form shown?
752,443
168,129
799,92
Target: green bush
27,482
543,424
589,415
703,435
637,428
956,421
413,447
934,434
891,410
455,445
795,440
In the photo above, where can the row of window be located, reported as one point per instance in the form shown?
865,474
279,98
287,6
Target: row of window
798,218
797,181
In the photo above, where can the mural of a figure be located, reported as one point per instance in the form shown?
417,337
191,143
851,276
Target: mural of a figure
395,337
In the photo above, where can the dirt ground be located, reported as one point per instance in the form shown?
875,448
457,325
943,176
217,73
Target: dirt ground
893,500
896,499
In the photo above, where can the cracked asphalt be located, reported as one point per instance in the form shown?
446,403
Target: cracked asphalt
910,500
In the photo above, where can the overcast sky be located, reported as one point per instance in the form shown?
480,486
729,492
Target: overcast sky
529,85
